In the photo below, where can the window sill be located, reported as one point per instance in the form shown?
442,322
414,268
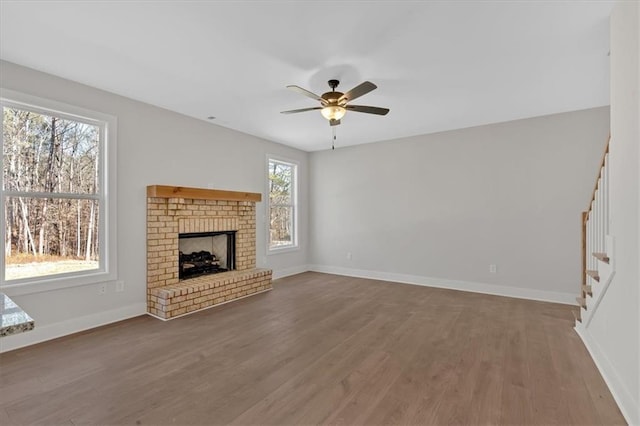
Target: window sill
53,283
283,250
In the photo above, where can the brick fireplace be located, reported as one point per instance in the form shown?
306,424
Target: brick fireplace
177,210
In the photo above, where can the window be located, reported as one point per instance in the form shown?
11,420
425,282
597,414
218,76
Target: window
57,221
282,204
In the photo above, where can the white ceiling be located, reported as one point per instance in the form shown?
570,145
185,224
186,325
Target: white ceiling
439,65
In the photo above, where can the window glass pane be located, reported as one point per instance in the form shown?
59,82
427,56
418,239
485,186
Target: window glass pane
282,198
281,226
280,183
44,153
46,236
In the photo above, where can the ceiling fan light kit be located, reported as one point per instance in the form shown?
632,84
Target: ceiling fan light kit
333,112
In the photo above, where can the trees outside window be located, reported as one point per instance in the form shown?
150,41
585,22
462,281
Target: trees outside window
53,193
282,204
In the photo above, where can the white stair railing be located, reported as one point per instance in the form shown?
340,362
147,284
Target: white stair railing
596,244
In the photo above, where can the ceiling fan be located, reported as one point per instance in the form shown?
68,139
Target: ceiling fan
334,104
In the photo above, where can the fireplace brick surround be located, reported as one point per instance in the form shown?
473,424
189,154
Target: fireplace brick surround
174,210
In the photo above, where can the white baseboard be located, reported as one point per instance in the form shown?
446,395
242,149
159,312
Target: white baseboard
287,272
474,287
53,331
630,409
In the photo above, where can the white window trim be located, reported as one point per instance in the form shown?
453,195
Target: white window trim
295,246
108,155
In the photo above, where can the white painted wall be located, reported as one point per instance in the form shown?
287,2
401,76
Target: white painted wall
155,146
439,209
613,336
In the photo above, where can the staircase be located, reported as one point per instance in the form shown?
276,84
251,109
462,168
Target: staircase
597,248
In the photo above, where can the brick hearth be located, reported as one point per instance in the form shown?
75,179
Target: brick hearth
174,210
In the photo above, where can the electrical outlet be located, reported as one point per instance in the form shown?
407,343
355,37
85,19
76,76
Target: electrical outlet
102,288
349,257
493,268
119,286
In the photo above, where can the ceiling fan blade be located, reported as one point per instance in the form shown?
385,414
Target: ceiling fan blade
367,109
293,111
334,122
356,92
307,93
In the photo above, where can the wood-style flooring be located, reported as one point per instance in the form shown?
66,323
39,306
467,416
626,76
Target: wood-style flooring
319,349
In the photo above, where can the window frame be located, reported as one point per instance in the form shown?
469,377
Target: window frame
294,246
107,270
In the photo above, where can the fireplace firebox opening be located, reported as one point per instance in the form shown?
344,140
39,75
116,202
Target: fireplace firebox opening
203,253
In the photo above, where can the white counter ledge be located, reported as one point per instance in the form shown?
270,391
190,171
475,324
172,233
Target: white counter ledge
13,319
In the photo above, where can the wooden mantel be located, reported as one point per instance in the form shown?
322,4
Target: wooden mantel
165,191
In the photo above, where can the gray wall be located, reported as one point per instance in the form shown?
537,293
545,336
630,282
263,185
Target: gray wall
448,205
155,146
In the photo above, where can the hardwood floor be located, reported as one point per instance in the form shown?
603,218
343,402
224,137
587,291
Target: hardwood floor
319,349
